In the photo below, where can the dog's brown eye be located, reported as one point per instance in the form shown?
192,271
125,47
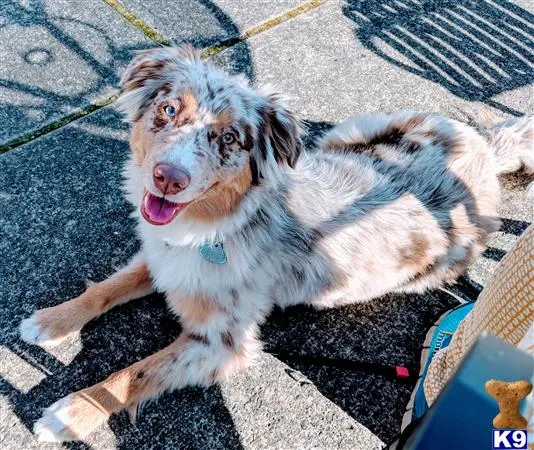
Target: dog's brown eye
228,138
170,111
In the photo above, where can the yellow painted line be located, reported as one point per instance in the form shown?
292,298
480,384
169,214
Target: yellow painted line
138,23
58,124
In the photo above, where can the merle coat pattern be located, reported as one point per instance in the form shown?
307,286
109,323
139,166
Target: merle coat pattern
400,202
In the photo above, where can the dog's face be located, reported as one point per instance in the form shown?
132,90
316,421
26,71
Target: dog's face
201,138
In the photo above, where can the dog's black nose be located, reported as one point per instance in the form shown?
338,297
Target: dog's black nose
170,179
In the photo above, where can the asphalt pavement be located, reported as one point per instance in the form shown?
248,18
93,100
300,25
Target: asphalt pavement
63,219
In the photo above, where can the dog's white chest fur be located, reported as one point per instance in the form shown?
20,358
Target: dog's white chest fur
181,272
182,268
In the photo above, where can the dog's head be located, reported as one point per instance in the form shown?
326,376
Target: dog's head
201,138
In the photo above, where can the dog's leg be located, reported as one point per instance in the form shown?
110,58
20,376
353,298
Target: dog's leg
193,359
53,324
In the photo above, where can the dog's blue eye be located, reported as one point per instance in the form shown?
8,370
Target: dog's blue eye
170,111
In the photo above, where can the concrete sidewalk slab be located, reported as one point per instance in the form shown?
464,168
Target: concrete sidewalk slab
63,220
64,59
206,22
59,56
335,72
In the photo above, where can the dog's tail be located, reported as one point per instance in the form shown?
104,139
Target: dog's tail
512,140
513,143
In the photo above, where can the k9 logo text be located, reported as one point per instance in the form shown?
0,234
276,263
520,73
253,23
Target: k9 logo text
512,439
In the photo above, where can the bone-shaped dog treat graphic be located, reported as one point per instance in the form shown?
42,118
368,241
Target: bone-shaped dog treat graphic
508,396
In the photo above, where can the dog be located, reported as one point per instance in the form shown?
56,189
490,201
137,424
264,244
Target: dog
235,217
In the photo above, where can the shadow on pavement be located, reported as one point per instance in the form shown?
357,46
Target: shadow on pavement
474,49
63,218
389,331
60,62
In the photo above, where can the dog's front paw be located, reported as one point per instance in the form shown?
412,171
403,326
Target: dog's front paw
54,425
42,328
69,419
32,332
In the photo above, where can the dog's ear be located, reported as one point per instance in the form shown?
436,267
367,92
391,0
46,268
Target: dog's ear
149,72
278,140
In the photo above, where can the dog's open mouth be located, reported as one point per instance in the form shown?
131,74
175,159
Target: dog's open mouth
158,210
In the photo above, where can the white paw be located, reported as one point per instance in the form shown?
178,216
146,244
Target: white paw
54,425
32,333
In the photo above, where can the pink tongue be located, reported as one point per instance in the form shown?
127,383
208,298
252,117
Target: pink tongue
159,210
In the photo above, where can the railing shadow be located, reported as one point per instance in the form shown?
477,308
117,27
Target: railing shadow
474,49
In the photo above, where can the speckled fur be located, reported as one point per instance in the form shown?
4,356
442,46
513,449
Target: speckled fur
399,202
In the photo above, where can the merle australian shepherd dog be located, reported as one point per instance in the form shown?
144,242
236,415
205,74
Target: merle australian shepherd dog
235,217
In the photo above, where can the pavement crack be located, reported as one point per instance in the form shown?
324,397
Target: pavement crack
267,25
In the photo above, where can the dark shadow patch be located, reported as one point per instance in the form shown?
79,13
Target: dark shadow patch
388,331
513,226
496,254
